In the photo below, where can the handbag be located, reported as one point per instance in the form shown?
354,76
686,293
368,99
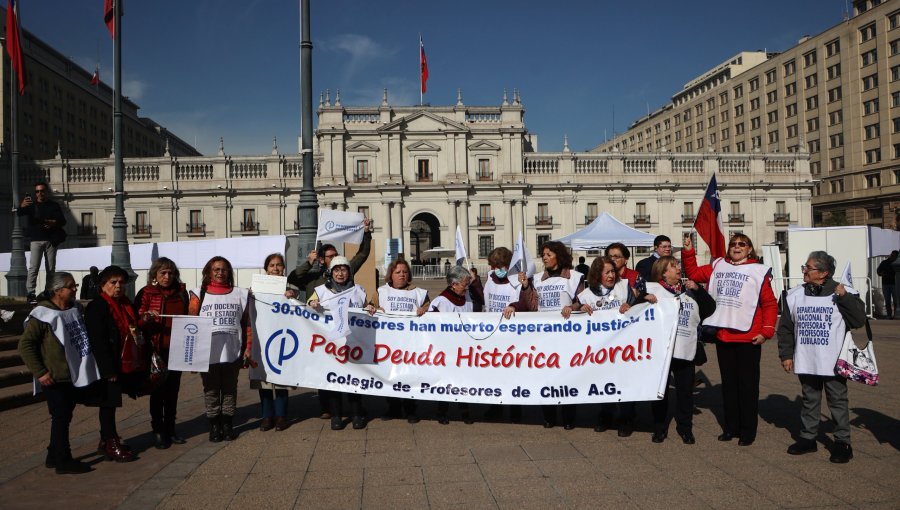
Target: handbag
157,375
134,358
858,364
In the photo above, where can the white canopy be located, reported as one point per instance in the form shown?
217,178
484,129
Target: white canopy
603,231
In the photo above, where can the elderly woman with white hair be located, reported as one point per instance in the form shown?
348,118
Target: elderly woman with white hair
455,298
55,348
815,317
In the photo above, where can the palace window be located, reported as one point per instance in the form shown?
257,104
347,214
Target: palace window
362,171
485,245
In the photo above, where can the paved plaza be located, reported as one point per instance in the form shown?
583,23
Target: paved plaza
393,464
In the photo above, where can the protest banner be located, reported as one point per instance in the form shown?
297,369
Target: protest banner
190,344
340,226
533,358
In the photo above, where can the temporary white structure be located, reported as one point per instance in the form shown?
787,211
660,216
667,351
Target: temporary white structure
862,246
603,231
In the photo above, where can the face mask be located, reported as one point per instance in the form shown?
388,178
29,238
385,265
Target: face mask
500,273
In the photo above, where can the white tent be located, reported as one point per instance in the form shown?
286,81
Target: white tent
603,231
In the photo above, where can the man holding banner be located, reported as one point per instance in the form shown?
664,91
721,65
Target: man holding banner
336,227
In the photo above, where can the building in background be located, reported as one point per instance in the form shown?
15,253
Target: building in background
62,110
421,171
835,95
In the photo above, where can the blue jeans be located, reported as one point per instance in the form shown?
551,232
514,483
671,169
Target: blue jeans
276,406
38,249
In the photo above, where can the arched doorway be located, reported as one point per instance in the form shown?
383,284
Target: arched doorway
424,234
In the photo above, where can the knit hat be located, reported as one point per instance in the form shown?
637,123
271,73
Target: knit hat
338,261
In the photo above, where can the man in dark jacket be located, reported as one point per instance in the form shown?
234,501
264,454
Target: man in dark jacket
886,272
662,246
45,230
312,272
90,285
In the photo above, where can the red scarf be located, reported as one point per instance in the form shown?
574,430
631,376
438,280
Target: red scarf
122,313
674,289
453,297
218,288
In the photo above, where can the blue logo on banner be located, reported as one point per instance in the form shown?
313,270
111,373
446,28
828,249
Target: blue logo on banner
280,347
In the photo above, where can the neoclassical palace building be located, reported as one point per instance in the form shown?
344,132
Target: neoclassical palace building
421,171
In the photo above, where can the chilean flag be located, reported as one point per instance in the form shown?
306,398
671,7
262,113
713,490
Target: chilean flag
709,220
95,78
14,43
423,64
109,17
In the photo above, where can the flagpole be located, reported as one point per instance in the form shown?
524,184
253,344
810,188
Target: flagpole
421,94
15,277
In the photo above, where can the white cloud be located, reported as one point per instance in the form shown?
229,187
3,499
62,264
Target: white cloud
361,49
134,89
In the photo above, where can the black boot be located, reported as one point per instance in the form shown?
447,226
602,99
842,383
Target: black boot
50,461
161,441
66,465
228,433
215,429
173,437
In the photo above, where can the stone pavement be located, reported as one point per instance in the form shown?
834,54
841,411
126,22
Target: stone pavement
486,465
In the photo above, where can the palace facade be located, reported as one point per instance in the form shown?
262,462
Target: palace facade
421,171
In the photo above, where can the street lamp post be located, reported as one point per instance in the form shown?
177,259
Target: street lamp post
120,255
15,278
307,210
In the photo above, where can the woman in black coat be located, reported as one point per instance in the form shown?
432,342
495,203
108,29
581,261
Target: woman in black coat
109,320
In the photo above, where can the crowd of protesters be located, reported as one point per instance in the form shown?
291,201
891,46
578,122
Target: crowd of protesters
94,355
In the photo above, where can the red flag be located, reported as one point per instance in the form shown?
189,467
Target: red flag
14,43
109,17
95,79
709,220
423,65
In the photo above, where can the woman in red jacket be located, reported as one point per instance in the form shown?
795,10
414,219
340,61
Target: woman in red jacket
164,295
746,312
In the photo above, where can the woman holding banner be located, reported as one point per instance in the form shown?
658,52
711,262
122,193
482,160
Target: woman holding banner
231,343
606,290
118,348
696,305
456,298
273,398
745,315
557,290
340,284
59,357
398,295
164,295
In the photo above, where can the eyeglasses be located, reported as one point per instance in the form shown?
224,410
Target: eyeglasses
616,257
741,244
42,191
805,269
74,286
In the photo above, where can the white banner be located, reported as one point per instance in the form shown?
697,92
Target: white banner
533,358
340,226
190,343
461,255
521,262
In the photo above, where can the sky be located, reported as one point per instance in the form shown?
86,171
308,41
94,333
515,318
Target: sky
207,69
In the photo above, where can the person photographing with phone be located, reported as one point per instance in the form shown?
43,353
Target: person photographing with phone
45,231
